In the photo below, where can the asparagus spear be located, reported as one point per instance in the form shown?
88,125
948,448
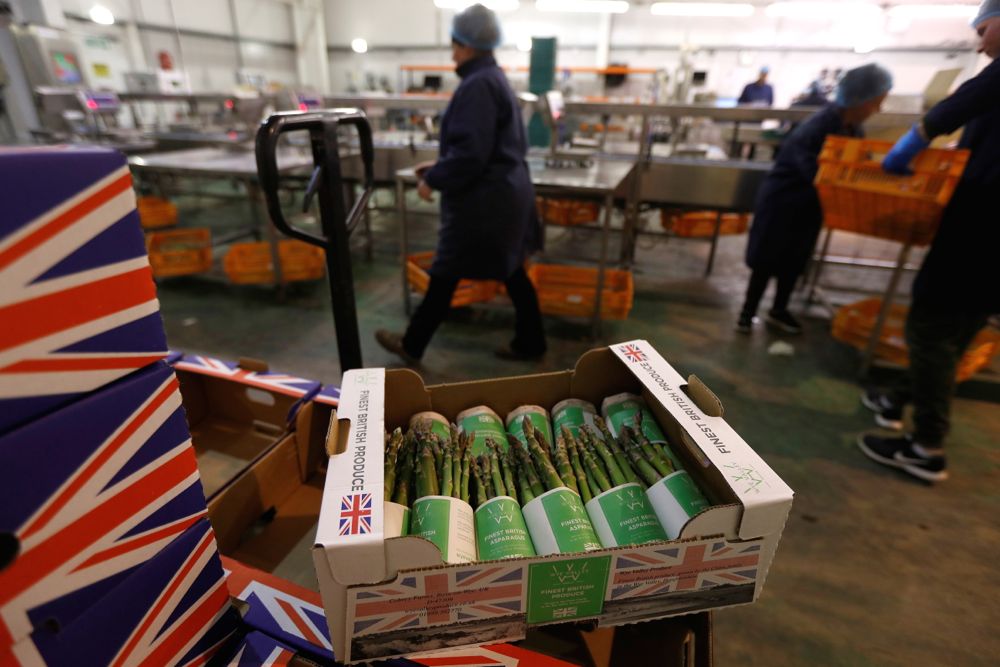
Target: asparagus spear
482,490
401,492
524,488
446,471
653,454
427,482
466,455
641,464
601,483
528,427
507,470
601,449
526,467
496,474
543,466
563,466
578,471
620,457
393,444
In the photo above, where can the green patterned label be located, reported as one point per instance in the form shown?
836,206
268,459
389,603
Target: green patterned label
675,499
484,425
537,420
501,531
573,417
623,516
448,523
558,523
563,590
624,412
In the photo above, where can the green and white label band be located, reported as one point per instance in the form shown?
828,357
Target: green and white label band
449,524
559,524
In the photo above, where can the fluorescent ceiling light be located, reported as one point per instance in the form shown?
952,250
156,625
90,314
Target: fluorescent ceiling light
702,9
524,44
933,12
824,11
583,6
102,15
359,45
495,5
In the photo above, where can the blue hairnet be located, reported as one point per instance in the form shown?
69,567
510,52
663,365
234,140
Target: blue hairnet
863,84
765,70
988,10
478,27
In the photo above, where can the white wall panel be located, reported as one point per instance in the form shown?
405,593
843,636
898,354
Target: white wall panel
265,19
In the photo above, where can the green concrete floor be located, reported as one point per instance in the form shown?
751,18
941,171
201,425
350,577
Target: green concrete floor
873,567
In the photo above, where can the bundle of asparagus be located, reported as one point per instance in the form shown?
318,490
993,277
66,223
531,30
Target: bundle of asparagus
399,451
612,477
675,496
553,510
440,466
500,528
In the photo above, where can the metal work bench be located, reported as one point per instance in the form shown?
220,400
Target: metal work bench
220,164
603,181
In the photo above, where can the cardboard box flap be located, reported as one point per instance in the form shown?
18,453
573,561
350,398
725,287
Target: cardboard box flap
351,517
766,499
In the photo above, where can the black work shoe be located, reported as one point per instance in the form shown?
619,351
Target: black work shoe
898,452
508,353
887,414
744,325
784,321
393,342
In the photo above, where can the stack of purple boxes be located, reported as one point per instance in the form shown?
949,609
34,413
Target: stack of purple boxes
106,557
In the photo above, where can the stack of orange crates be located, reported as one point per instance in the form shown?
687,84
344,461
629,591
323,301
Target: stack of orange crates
701,224
251,263
571,290
567,212
179,252
156,212
468,291
853,325
858,196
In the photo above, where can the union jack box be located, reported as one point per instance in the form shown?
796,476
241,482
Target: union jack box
90,493
174,610
237,412
390,597
77,298
257,649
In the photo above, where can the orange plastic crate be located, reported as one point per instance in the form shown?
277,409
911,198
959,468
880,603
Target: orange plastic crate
467,292
571,290
858,196
567,212
701,224
156,213
179,252
853,325
251,264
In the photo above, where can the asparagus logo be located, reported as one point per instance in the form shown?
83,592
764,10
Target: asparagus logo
570,505
633,500
420,514
751,480
499,514
570,573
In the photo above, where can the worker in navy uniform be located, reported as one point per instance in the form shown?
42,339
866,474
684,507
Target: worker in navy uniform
489,224
788,217
758,92
958,285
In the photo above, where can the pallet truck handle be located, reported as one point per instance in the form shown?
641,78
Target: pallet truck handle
322,126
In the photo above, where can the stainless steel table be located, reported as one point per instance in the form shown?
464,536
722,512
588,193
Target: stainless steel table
217,163
602,181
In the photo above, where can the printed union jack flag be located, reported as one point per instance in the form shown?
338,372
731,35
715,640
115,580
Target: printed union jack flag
329,395
279,383
77,297
259,650
281,609
435,598
356,514
174,610
91,492
633,353
695,566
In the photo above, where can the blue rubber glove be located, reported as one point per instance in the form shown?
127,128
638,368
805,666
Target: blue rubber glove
899,158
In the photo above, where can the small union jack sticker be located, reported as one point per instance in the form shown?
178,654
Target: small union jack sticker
356,514
633,353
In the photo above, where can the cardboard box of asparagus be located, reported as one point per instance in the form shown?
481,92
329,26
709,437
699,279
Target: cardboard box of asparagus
463,513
